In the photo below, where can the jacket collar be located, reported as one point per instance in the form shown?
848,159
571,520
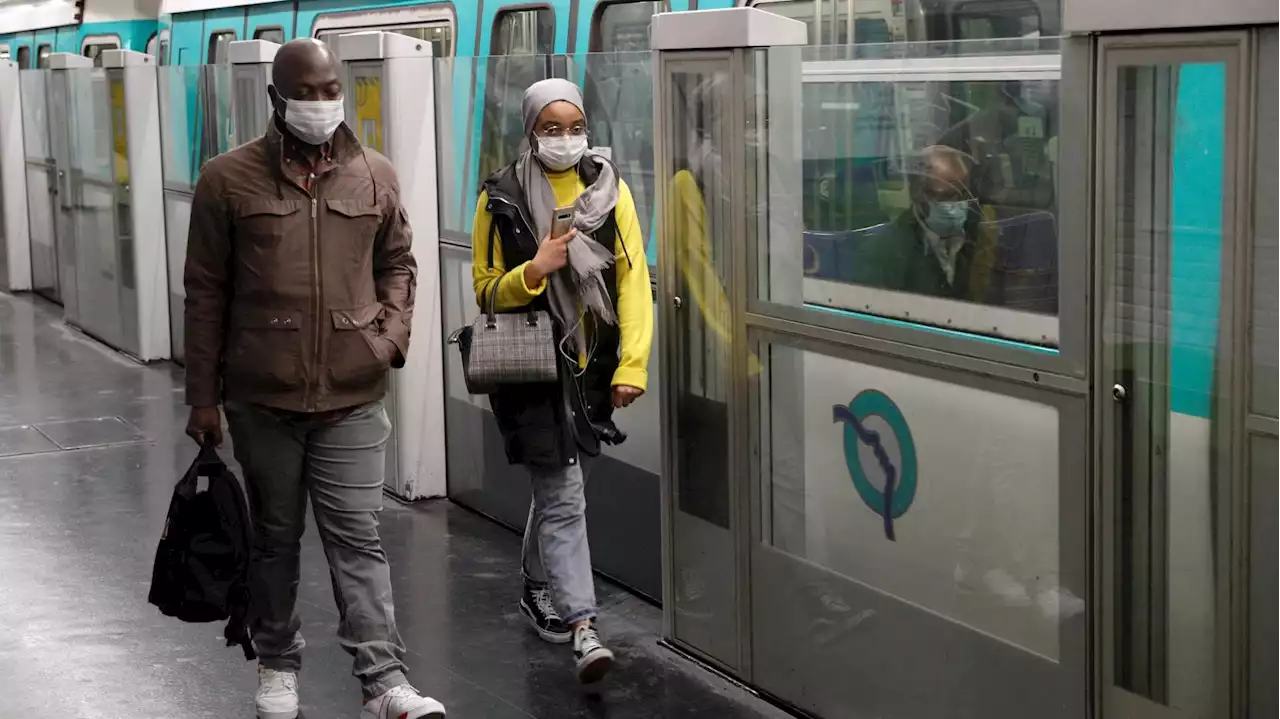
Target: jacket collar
344,146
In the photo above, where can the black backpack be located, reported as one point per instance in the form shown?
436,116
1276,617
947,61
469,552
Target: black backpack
202,564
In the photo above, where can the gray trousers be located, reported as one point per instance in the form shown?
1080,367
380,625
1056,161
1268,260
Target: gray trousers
340,464
556,552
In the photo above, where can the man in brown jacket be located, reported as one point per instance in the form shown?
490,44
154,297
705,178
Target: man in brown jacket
300,288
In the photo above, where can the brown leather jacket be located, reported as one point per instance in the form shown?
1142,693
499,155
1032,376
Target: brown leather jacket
297,300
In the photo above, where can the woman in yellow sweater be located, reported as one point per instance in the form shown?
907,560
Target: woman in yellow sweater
594,281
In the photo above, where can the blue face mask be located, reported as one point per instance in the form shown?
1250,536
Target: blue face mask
947,218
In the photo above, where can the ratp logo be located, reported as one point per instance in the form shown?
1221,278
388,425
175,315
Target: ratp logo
880,455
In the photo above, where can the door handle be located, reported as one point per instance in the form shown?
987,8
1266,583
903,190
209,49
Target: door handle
1119,393
676,302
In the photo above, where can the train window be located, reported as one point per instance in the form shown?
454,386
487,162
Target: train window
270,34
153,46
4,52
624,26
527,31
934,200
440,35
991,20
842,23
42,56
434,23
518,36
24,57
219,46
94,45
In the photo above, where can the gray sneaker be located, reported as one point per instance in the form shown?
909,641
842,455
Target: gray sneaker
594,659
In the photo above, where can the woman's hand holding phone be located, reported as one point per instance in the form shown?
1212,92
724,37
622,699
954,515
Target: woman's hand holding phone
553,254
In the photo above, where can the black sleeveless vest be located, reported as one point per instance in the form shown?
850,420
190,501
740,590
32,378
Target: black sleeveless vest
549,425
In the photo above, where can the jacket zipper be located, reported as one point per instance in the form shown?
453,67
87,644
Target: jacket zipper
315,271
568,439
528,226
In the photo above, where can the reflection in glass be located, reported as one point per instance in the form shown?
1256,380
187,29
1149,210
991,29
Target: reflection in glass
1163,341
928,199
698,227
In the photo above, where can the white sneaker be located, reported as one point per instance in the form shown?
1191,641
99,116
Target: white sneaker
593,658
402,702
277,694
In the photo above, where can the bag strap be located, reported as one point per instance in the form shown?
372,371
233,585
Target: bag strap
493,224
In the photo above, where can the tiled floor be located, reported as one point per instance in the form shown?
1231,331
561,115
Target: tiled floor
90,446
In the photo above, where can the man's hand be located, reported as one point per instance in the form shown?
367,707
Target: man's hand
623,395
553,253
205,425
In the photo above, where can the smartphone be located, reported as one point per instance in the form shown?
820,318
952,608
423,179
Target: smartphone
562,221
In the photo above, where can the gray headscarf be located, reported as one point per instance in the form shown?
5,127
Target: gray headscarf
580,283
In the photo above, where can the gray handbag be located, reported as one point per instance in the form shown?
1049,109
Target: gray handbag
502,349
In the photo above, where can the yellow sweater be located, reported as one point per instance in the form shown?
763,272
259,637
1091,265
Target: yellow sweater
635,294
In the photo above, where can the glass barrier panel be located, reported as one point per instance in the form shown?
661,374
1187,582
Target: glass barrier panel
928,177
895,550
35,107
1266,250
181,104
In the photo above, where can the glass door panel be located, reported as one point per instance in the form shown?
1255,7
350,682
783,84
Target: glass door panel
699,342
1168,143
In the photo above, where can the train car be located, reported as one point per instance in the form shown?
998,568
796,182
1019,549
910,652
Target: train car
30,33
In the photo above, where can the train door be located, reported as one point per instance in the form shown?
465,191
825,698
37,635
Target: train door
62,85
1182,448
42,183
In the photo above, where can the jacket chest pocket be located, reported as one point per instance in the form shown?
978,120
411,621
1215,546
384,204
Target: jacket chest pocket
267,222
354,223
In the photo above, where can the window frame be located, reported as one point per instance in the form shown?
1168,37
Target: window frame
958,12
958,319
595,41
512,9
104,42
391,20
163,47
259,31
211,44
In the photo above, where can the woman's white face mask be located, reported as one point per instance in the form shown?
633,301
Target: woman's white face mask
559,152
313,121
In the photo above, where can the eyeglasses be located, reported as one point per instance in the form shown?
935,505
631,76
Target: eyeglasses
556,131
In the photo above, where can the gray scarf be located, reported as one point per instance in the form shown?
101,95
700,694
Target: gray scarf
579,284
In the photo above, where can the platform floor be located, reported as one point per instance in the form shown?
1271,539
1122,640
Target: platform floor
90,446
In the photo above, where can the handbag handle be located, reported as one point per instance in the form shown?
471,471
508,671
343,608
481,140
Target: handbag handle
491,308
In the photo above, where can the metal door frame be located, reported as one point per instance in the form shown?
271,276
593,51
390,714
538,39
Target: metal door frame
671,345
48,167
64,206
1235,50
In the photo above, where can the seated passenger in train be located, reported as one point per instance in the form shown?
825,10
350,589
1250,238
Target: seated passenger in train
299,296
934,247
604,326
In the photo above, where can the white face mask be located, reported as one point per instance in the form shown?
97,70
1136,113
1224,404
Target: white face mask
560,153
313,121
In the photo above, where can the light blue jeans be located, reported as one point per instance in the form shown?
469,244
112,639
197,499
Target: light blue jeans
339,465
556,552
